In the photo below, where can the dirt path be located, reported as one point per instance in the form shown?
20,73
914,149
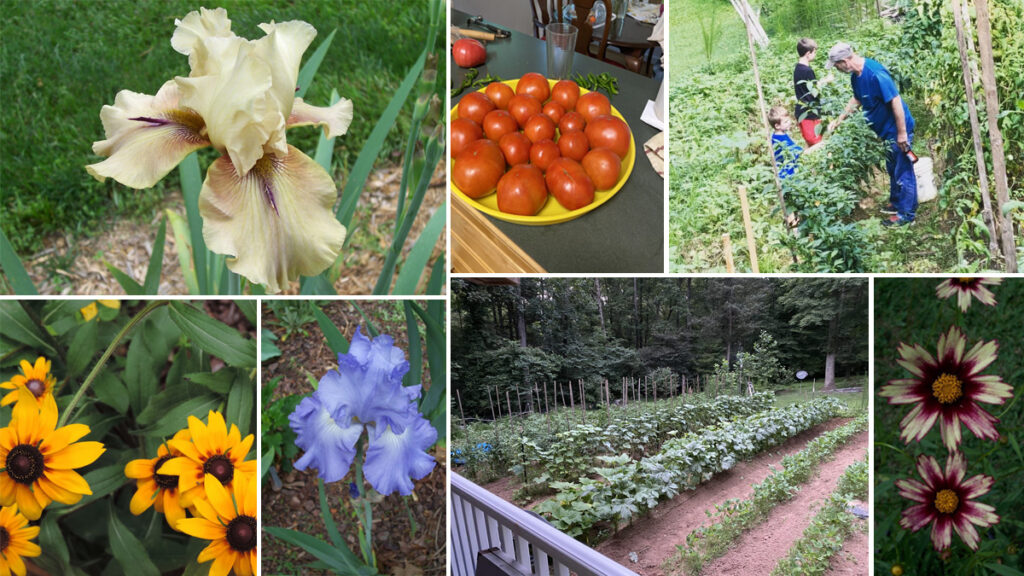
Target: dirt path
757,551
852,559
655,537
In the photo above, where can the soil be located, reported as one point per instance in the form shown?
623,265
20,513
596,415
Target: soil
852,559
295,502
70,265
759,550
655,537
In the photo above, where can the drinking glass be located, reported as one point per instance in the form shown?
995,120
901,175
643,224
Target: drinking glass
561,44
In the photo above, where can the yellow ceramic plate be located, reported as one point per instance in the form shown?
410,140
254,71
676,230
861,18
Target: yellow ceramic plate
552,212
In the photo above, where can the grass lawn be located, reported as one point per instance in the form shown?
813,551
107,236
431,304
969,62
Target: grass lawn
686,51
802,393
61,61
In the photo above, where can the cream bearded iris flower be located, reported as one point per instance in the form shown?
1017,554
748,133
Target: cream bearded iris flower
264,203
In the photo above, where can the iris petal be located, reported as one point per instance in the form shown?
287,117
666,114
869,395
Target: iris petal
329,447
334,118
394,460
276,221
147,136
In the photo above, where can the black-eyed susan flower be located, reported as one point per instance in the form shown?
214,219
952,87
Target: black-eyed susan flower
966,288
90,310
229,522
36,378
210,449
948,388
39,460
157,490
946,501
15,536
239,97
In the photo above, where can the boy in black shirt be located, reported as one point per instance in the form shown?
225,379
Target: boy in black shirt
804,82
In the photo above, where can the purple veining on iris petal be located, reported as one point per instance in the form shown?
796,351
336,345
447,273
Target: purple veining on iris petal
153,121
268,191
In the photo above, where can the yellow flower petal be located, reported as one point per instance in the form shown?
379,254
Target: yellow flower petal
276,222
215,549
147,136
69,480
75,456
56,493
27,502
89,311
335,119
217,430
219,498
7,489
141,468
242,565
113,304
202,528
240,450
143,497
222,564
62,437
171,507
17,564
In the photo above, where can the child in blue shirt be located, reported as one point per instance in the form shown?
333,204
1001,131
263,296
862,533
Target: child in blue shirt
787,152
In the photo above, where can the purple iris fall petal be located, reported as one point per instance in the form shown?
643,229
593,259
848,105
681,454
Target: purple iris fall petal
366,391
393,460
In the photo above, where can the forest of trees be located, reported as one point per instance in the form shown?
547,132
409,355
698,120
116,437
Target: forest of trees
517,333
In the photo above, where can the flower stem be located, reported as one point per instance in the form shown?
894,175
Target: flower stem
366,516
103,360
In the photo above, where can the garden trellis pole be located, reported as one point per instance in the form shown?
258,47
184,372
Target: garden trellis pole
995,135
749,229
461,413
979,149
727,251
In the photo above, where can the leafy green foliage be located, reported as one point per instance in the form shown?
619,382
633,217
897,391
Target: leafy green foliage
763,366
277,434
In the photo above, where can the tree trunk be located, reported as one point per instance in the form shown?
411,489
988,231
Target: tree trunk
600,304
995,135
830,371
833,341
636,312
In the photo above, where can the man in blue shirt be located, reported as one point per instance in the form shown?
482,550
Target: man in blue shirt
889,117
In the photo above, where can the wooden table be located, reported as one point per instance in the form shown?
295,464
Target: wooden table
626,234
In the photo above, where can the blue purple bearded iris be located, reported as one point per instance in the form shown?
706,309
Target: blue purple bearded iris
366,392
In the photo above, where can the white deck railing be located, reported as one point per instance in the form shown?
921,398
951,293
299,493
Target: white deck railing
480,520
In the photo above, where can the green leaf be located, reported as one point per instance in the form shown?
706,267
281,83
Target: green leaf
325,513
127,549
316,286
19,326
183,247
436,283
1003,570
308,71
175,418
109,390
84,346
214,336
335,339
52,542
130,286
191,184
248,308
371,149
266,461
218,382
103,481
340,558
156,261
419,255
1007,207
241,402
436,359
14,269
415,373
268,349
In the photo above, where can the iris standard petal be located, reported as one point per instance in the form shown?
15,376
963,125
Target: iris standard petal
197,26
335,118
328,446
394,460
275,221
147,136
282,48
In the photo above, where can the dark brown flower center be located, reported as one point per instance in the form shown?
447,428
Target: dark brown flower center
165,481
947,388
946,501
36,387
221,467
5,538
242,533
24,463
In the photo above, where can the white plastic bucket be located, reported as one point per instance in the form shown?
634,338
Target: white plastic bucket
923,170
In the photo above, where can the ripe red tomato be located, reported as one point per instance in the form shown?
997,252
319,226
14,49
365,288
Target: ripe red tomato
539,127
603,166
608,131
554,111
569,184
593,104
571,122
464,131
475,106
534,84
468,53
543,153
477,170
574,145
522,107
499,93
522,191
497,123
516,148
566,93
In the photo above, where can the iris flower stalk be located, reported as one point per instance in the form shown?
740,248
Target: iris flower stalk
264,203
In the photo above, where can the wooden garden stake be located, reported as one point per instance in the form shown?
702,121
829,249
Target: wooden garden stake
519,399
751,245
491,402
461,413
508,401
995,135
727,250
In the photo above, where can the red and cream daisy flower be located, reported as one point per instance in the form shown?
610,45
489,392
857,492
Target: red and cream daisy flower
946,501
948,388
36,378
966,288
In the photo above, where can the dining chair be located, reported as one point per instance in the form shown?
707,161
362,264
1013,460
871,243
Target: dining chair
545,12
586,30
